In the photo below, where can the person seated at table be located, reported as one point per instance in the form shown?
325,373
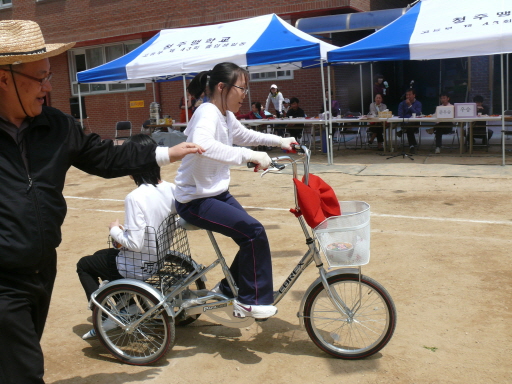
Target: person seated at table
479,128
255,113
443,128
286,106
295,112
335,106
405,110
376,129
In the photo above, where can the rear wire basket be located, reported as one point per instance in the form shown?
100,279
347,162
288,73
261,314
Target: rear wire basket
345,239
167,260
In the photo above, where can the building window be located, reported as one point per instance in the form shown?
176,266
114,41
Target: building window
5,3
84,58
276,75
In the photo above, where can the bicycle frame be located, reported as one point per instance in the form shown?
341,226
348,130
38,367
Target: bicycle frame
313,252
199,305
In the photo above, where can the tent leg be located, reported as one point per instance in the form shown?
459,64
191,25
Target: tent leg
502,113
508,82
80,107
440,76
329,90
361,86
325,112
185,97
371,81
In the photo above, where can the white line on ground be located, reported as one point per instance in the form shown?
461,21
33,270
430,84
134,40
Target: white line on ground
94,210
90,198
451,219
443,219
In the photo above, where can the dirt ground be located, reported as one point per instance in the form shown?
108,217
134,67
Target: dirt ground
439,245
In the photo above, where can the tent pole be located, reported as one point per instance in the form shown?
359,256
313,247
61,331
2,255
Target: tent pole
371,81
80,107
325,111
440,76
154,94
329,103
185,98
508,82
502,113
361,85
249,94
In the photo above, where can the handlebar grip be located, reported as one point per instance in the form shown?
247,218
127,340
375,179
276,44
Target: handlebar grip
278,166
251,165
298,148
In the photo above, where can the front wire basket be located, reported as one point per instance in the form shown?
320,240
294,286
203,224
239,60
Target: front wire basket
164,259
345,239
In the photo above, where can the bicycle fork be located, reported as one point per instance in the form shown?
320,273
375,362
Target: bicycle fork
336,300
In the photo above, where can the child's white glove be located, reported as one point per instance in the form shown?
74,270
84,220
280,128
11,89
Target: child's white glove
286,143
262,159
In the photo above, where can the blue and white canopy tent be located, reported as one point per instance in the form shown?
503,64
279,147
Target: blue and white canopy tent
259,44
439,29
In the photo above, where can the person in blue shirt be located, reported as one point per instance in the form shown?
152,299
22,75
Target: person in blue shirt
405,110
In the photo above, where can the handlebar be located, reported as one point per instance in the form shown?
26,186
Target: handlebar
275,166
301,149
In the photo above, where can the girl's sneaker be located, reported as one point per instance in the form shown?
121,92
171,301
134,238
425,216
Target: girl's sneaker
256,311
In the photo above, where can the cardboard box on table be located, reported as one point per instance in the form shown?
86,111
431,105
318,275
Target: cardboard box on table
443,112
465,109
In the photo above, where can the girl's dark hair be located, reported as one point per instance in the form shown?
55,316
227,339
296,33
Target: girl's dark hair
206,81
151,176
258,104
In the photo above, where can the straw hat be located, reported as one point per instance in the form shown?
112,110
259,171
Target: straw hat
21,41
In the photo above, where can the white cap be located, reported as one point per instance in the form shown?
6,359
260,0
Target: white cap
273,86
286,101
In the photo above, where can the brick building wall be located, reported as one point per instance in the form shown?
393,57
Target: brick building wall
115,18
95,22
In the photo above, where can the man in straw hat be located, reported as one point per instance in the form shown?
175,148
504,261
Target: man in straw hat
38,145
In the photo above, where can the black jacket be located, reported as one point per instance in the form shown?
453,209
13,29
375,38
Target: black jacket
32,207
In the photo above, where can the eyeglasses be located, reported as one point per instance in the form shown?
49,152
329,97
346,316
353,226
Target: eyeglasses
244,90
42,81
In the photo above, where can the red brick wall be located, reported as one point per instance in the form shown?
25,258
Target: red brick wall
72,19
92,22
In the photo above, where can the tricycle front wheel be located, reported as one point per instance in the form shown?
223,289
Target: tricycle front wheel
362,332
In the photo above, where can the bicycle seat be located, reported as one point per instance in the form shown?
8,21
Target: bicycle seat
187,226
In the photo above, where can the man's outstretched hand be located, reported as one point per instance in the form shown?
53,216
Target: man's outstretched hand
181,150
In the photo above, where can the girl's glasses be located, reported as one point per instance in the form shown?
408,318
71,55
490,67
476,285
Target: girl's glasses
244,90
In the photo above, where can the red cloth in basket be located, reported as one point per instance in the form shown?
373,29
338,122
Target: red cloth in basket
317,201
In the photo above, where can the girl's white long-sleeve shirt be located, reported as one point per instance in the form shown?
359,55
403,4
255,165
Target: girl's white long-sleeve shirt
276,100
145,209
208,174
